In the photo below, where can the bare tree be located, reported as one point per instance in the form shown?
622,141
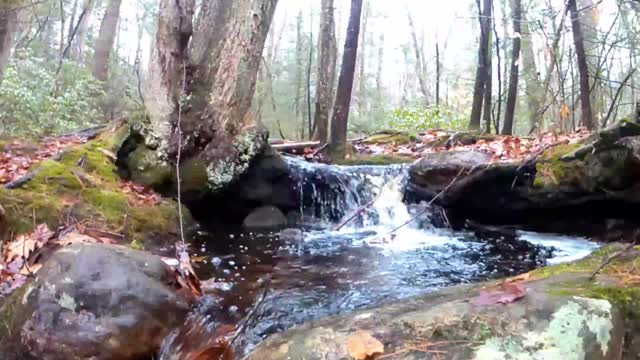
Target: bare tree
7,32
583,67
338,140
514,75
484,14
326,70
422,79
105,40
530,72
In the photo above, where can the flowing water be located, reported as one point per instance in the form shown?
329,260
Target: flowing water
388,252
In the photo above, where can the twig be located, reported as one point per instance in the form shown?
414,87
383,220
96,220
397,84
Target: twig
610,259
358,212
429,203
247,320
179,154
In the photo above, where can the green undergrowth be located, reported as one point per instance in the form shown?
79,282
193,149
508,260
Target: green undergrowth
83,187
390,138
384,159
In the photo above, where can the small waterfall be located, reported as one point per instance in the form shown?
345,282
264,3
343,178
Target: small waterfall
329,193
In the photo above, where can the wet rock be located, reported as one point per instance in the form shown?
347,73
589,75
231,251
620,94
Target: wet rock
434,172
596,179
291,235
97,302
571,323
265,218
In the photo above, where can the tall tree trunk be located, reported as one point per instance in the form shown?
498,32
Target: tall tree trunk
77,48
583,67
362,58
438,72
338,141
165,81
326,70
488,88
105,40
7,31
422,80
515,70
530,72
482,70
298,72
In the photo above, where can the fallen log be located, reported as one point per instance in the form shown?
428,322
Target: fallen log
295,146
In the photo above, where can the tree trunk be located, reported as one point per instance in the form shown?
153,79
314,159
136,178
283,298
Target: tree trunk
362,58
488,88
338,141
7,31
583,67
422,81
326,70
482,69
165,80
515,70
530,72
105,40
298,72
438,72
77,48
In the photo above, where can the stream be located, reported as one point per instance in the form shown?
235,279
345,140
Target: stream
388,252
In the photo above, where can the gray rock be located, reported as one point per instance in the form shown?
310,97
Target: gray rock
99,302
539,326
291,235
265,218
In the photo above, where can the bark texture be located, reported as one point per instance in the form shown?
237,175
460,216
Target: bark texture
326,70
583,67
482,69
340,119
530,73
164,84
7,32
514,75
77,46
105,40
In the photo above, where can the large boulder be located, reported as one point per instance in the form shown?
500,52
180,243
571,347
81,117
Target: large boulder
552,313
95,302
599,177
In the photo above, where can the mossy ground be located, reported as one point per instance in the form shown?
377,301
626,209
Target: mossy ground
390,138
384,159
83,187
608,286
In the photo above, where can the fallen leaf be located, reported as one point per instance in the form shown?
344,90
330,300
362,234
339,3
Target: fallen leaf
362,345
506,293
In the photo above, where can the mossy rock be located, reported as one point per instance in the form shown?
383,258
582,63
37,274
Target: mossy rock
384,159
390,138
83,186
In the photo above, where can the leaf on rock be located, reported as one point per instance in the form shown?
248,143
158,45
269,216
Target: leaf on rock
362,345
506,293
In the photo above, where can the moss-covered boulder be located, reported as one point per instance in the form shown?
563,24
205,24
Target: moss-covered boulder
389,137
558,313
82,186
599,178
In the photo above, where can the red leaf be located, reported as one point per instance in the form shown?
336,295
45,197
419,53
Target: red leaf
504,294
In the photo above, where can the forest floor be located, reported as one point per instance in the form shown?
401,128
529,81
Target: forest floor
393,146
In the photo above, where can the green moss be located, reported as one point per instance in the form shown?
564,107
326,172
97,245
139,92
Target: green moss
147,169
89,193
385,159
194,176
553,170
12,317
586,265
384,138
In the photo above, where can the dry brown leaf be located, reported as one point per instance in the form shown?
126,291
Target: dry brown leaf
362,345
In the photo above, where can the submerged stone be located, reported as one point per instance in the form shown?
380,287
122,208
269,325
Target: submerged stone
265,218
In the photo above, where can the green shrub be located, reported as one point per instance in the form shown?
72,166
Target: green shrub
34,101
422,119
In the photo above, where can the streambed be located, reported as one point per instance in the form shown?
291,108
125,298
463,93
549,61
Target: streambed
388,252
